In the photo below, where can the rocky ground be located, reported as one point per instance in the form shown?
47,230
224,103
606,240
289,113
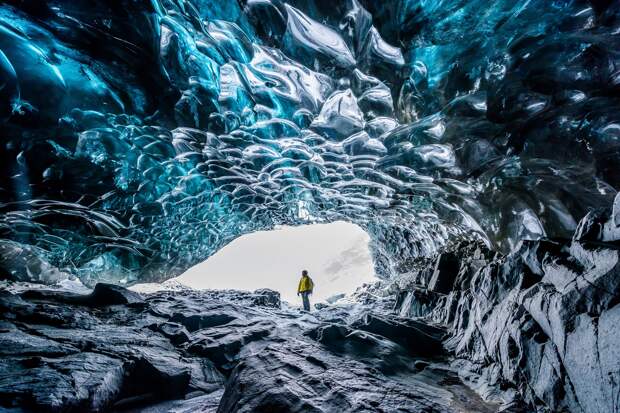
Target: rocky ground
185,351
470,331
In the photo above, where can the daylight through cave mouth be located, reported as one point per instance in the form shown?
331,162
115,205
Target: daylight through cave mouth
336,255
139,138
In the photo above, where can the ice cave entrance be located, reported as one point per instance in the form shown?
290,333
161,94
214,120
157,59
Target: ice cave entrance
336,255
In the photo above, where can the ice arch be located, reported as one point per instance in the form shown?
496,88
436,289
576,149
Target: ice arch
139,137
336,255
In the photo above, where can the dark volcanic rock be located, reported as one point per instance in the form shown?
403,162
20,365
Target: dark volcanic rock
267,298
208,351
380,352
537,323
417,337
416,302
446,269
534,330
15,342
155,377
80,357
176,332
196,322
300,377
77,382
590,228
223,345
109,294
102,295
13,307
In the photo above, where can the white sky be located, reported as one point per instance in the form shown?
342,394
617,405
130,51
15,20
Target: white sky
336,256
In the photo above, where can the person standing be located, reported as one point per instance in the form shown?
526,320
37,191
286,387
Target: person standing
305,289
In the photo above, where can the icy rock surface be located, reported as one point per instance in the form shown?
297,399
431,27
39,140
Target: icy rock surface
226,351
138,137
538,325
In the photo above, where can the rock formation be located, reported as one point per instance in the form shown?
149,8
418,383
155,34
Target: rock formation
221,351
538,323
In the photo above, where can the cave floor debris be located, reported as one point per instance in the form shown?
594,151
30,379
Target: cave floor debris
218,351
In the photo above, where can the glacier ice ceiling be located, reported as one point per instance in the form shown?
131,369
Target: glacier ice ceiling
139,137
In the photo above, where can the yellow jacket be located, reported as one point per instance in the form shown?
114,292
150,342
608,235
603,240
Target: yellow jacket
305,284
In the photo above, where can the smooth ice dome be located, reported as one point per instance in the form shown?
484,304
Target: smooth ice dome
305,36
340,116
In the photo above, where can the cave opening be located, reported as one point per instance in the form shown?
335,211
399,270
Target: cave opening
337,256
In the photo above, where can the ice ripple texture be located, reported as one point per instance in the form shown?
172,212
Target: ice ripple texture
138,137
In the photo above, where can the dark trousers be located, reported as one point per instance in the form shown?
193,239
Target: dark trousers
306,300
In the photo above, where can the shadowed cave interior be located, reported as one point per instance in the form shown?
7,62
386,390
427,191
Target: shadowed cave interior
476,143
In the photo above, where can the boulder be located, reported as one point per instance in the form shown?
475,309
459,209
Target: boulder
109,294
296,377
78,382
14,342
417,337
102,295
195,322
266,298
156,376
377,351
223,344
177,333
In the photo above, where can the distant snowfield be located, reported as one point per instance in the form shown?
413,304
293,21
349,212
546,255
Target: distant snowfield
336,255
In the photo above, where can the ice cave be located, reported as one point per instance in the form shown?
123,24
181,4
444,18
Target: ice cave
476,143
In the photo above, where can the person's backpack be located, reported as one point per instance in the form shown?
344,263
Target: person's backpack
311,284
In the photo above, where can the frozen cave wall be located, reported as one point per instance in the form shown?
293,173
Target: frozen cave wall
139,137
